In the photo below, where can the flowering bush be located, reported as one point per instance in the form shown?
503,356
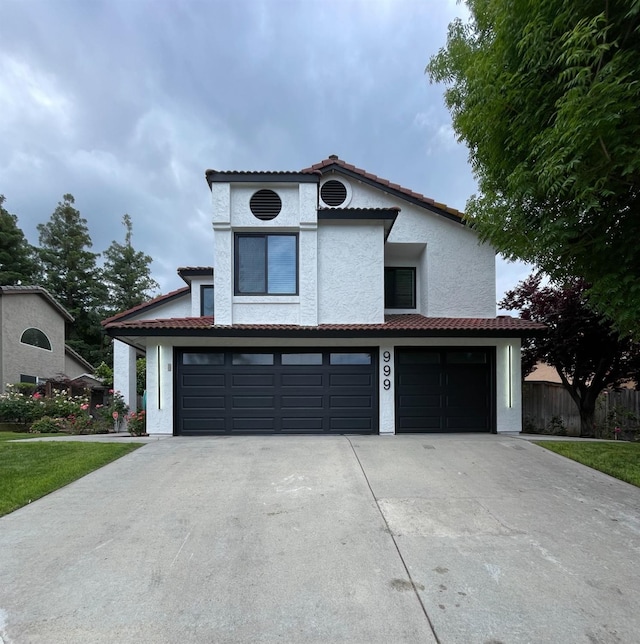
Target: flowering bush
114,412
137,423
16,407
47,425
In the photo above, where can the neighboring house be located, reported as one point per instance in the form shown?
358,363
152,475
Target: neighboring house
343,304
32,338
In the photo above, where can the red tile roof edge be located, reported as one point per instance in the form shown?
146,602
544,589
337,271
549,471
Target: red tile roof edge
399,322
151,303
335,160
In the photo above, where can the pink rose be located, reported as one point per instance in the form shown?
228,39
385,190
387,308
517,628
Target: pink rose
84,407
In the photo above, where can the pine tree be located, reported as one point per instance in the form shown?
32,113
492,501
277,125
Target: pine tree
72,277
18,261
127,273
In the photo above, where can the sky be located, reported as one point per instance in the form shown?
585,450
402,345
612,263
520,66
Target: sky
125,104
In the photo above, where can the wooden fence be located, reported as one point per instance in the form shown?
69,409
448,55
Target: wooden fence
547,408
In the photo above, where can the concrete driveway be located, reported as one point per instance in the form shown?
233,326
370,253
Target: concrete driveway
465,539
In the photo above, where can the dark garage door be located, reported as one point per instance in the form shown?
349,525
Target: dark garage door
276,391
445,390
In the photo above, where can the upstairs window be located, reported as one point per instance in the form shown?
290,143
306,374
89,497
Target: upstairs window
399,288
36,338
206,300
266,264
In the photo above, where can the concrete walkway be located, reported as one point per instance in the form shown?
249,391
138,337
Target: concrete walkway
432,538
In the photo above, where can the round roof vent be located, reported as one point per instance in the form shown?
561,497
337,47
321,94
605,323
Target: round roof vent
333,193
265,205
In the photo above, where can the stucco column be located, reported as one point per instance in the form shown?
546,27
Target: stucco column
386,384
508,386
124,372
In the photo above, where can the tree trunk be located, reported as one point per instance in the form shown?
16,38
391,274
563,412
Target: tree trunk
587,409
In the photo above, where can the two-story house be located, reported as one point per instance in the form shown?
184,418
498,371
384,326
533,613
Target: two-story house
340,303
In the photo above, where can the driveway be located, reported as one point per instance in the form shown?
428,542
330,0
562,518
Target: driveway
431,538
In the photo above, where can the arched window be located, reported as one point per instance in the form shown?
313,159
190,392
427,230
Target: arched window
36,338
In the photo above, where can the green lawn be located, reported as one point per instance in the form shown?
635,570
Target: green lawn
30,470
621,460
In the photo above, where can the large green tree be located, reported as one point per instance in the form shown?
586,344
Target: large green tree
546,96
72,276
18,260
127,273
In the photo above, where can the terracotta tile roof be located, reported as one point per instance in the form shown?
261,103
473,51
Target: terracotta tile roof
398,323
334,161
147,305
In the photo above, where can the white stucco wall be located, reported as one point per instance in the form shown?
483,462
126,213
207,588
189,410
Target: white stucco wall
160,374
124,372
457,275
196,292
178,308
350,273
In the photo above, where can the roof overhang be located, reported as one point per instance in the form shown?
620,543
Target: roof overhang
232,176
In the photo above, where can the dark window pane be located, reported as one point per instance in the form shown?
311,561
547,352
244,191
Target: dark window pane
466,357
206,300
251,264
203,358
350,358
252,358
301,358
419,357
281,264
400,288
30,379
36,338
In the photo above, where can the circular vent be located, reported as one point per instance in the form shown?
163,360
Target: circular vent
265,205
333,193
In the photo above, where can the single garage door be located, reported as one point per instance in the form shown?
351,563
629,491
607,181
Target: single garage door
289,391
445,390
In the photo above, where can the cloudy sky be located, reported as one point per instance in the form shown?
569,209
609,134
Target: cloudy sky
125,103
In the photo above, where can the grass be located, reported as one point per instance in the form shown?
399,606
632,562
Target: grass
621,460
30,470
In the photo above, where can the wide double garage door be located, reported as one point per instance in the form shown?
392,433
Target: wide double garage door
276,391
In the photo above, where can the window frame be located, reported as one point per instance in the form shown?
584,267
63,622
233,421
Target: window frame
203,288
30,344
414,294
236,264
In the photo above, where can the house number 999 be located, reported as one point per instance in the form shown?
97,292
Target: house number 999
386,370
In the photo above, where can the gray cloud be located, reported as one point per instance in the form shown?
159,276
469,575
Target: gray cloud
125,103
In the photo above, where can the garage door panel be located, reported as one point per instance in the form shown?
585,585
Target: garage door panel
253,402
300,425
203,402
351,402
314,402
204,424
199,380
420,379
250,424
252,379
351,424
423,424
462,423
301,380
351,379
421,402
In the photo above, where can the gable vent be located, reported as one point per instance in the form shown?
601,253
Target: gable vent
265,205
333,193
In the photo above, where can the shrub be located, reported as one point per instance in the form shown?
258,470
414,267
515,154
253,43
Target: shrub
47,425
15,407
112,414
137,423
